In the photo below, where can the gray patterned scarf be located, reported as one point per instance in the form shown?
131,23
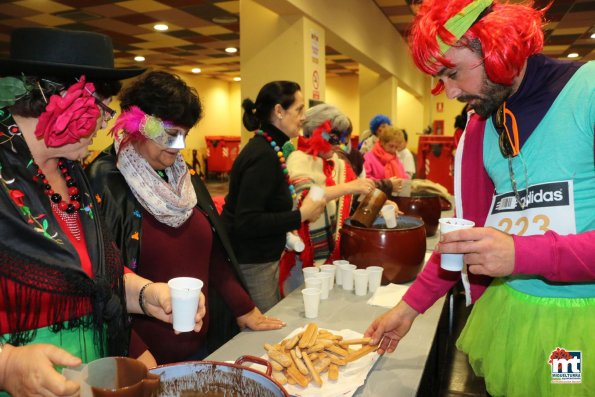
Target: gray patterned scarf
170,203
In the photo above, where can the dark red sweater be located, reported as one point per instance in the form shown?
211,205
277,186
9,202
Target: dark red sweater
187,251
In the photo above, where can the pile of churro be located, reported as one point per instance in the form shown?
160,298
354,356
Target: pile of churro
302,358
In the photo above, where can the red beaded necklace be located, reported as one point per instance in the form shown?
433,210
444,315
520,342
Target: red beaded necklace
281,160
56,198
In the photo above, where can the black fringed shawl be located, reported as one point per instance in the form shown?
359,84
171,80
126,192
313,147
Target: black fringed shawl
37,257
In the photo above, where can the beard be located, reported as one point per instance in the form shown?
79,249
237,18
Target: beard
490,98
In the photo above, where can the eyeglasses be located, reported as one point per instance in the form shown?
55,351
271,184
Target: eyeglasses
107,113
510,147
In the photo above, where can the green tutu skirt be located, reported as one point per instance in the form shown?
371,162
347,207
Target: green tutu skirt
510,337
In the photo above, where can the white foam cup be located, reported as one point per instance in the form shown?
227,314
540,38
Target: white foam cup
338,273
316,192
453,262
347,276
374,277
294,242
185,295
313,282
360,280
311,301
388,213
405,190
309,271
326,283
331,269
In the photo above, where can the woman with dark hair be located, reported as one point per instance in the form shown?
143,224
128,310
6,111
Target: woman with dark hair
65,295
258,210
162,216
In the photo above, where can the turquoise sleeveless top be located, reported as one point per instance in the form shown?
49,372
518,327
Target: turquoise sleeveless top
560,149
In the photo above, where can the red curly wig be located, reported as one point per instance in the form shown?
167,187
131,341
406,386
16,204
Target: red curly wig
508,33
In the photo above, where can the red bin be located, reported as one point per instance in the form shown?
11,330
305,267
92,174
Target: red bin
221,152
435,160
232,144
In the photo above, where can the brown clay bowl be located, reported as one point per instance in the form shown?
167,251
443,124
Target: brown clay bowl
426,206
400,251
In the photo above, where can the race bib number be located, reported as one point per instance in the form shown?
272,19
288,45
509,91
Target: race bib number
548,206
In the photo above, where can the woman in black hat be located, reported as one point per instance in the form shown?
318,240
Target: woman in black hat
65,295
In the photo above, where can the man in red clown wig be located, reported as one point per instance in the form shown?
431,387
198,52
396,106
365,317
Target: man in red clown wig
525,175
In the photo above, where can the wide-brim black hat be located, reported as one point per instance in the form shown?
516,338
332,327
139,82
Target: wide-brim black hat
59,52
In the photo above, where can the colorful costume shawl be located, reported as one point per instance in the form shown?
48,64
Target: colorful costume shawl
38,261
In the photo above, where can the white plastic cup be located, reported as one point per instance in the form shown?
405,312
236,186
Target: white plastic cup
374,277
309,271
316,192
311,301
360,280
388,213
453,262
338,273
185,294
313,282
405,190
294,242
326,283
331,269
347,276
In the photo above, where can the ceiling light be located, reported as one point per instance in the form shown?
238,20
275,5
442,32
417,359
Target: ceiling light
196,70
573,55
237,79
231,50
593,36
225,20
161,27
139,58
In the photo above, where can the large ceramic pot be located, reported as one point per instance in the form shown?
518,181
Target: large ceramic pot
213,378
426,206
400,251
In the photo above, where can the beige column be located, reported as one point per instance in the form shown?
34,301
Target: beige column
280,47
378,95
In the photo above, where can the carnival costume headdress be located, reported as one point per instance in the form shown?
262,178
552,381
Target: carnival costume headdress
441,24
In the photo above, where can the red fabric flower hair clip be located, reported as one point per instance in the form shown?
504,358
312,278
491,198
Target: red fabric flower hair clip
69,118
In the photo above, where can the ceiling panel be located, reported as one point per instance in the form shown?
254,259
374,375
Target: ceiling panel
201,29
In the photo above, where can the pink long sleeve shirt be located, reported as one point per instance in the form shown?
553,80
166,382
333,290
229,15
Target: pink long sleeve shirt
564,258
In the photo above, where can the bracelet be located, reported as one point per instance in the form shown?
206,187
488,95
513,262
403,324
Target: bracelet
141,299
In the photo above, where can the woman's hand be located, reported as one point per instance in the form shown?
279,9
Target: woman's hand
310,210
158,304
360,186
397,183
257,321
29,371
388,329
